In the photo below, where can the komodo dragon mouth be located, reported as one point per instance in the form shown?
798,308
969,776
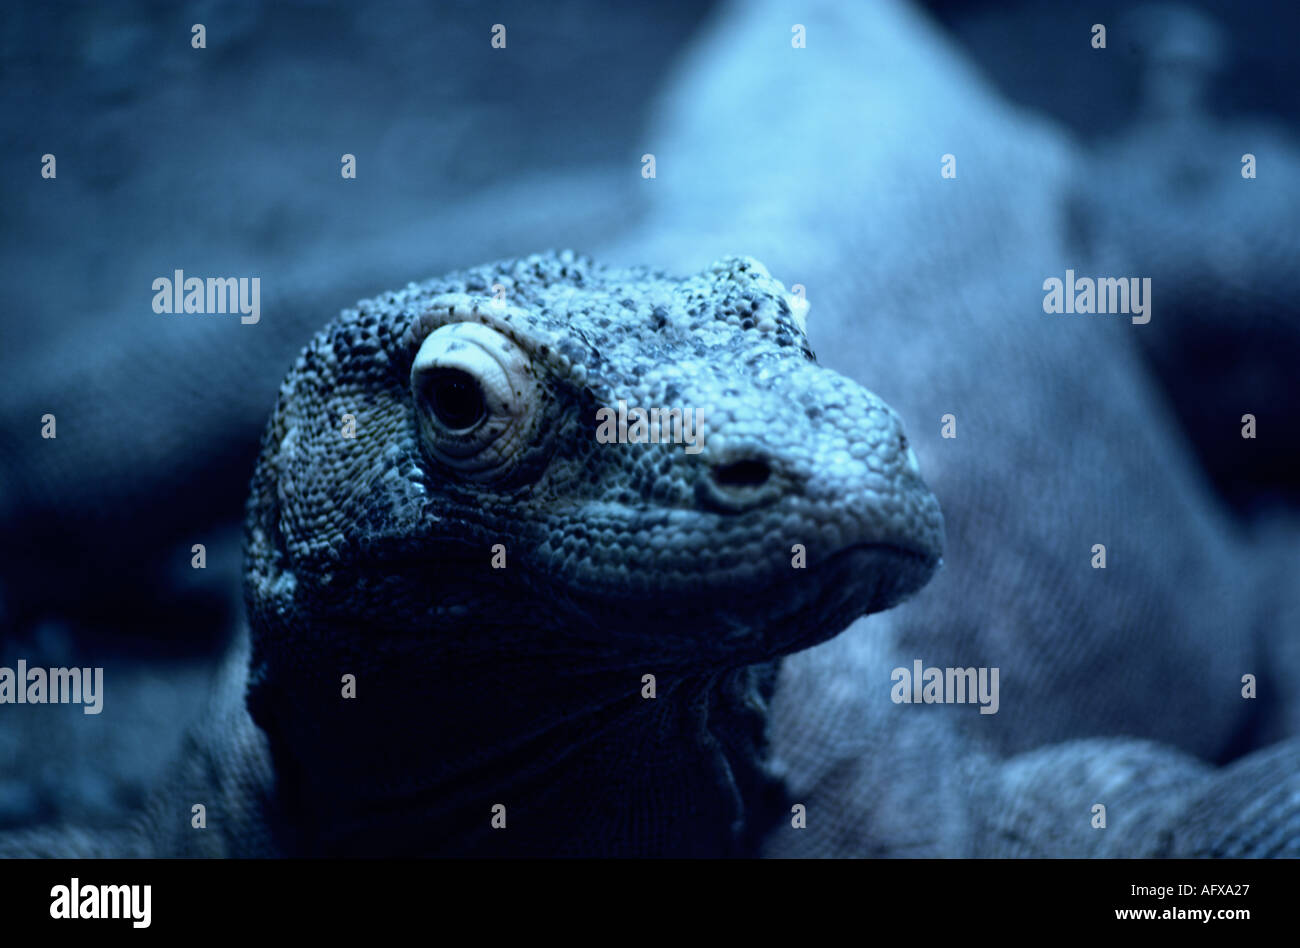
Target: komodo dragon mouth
787,611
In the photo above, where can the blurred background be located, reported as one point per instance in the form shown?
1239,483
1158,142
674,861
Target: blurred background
225,161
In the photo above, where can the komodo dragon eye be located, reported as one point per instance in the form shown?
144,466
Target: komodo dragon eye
476,398
456,398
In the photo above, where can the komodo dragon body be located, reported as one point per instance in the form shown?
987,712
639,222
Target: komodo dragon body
501,706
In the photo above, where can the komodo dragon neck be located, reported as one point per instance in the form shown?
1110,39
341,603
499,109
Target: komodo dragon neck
582,762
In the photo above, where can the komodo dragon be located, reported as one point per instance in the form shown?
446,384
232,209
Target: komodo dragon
501,705
927,290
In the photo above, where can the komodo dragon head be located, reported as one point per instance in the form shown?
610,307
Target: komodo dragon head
562,635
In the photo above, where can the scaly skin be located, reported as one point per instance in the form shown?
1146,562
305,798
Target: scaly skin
522,685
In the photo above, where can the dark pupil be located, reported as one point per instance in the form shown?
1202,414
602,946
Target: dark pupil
456,398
